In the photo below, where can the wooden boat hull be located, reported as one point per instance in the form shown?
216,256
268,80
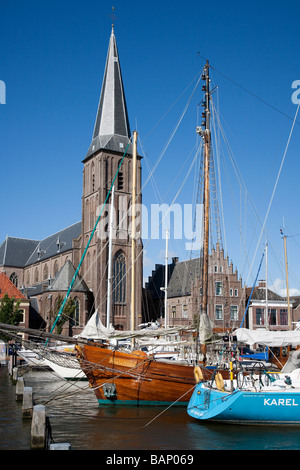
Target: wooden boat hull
136,379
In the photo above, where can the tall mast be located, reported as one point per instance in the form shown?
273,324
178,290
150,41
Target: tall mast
287,282
204,328
166,281
207,142
267,306
133,233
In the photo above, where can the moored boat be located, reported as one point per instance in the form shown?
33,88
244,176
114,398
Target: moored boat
275,404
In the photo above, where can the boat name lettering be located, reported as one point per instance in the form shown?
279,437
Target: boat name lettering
280,402
122,362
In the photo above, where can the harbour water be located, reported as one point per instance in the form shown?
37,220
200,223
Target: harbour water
76,418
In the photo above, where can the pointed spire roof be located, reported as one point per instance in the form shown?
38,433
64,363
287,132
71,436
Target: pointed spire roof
112,130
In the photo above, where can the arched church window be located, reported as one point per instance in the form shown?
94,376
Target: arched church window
93,177
36,275
45,274
120,177
77,311
119,278
55,268
14,279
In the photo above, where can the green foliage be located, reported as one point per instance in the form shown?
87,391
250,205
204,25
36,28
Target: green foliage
67,313
10,313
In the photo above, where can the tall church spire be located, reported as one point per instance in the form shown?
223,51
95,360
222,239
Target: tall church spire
111,131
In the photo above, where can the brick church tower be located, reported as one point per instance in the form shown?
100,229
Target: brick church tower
109,142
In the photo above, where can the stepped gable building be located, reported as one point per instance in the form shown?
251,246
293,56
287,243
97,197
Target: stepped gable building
226,295
41,268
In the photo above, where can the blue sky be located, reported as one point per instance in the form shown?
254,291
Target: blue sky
52,62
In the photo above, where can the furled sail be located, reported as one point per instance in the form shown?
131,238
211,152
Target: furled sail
267,337
95,329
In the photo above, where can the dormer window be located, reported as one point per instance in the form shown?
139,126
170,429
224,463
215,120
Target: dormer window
59,244
40,253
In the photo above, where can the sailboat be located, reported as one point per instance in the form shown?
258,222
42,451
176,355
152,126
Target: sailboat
277,403
131,376
268,399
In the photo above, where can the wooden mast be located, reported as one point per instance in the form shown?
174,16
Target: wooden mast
207,139
206,133
133,235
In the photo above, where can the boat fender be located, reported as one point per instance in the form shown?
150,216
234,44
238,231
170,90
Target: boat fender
219,382
198,374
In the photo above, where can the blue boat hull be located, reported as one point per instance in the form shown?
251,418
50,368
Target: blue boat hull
245,407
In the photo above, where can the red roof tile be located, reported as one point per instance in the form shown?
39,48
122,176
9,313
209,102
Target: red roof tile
6,286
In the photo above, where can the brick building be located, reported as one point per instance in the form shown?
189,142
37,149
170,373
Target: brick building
226,295
37,267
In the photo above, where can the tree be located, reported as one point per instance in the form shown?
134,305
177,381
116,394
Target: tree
10,312
67,314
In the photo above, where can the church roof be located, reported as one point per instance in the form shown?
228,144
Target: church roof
59,242
112,130
64,277
15,252
20,252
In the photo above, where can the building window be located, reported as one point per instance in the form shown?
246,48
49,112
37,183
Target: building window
14,279
236,292
219,288
284,320
259,316
233,312
184,311
45,275
221,269
55,268
216,269
231,292
77,312
36,275
119,278
272,316
219,312
173,311
120,180
23,315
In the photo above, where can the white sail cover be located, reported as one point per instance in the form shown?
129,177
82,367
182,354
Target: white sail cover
95,329
205,329
268,338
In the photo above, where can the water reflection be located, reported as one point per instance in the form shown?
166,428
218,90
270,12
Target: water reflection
76,418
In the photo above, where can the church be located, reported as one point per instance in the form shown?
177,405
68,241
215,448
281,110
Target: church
43,269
